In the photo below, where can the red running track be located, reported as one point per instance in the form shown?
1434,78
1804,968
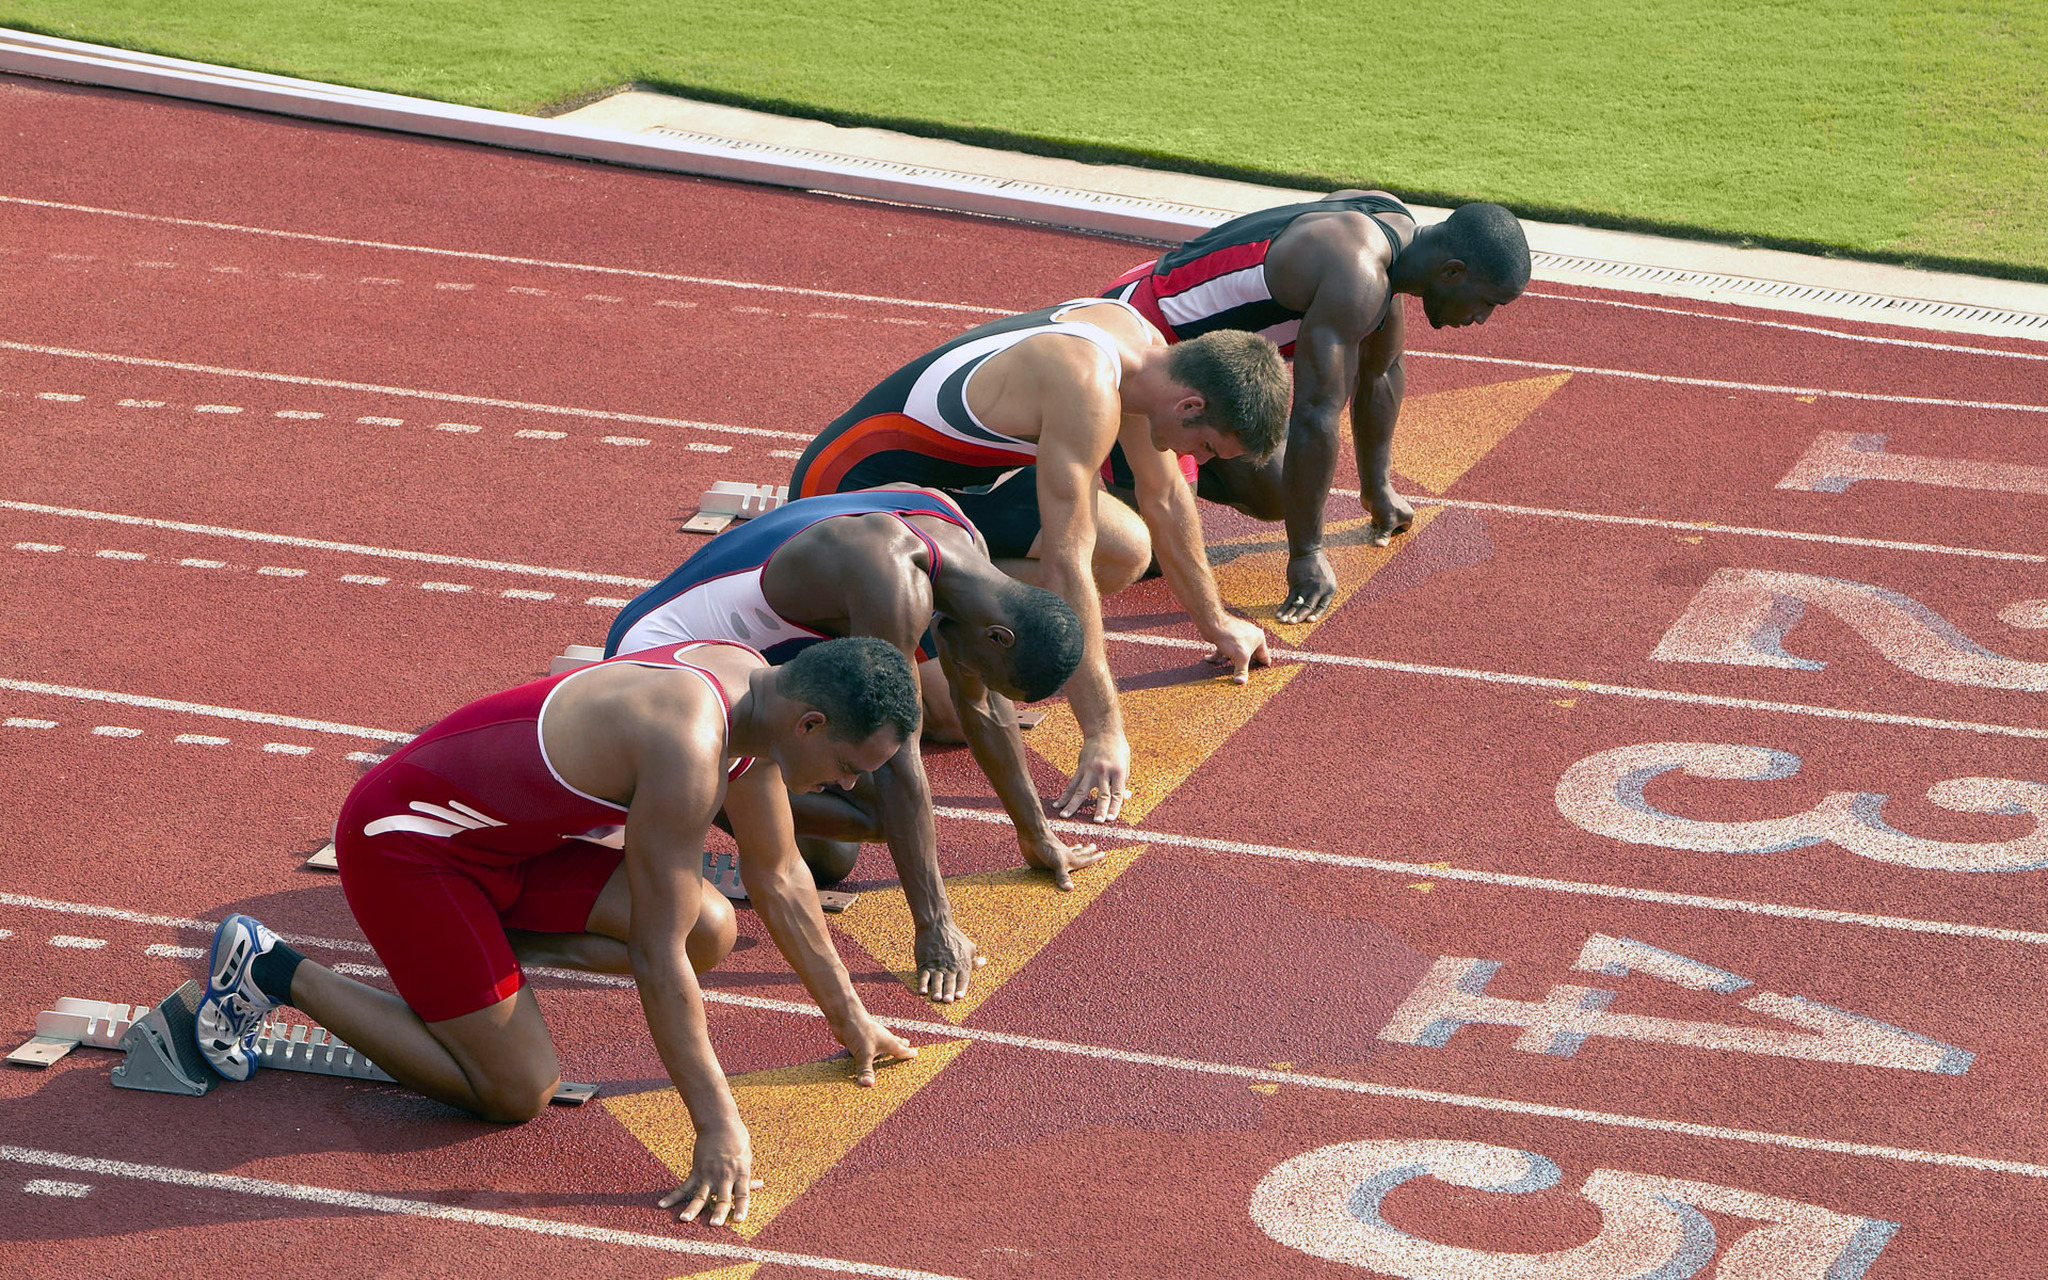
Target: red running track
1656,889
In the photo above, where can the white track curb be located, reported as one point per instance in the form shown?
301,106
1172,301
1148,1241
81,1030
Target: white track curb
895,167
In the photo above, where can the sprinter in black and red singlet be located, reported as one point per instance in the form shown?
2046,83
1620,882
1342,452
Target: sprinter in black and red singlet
1319,279
1013,419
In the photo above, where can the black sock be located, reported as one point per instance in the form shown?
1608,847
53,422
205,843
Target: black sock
273,971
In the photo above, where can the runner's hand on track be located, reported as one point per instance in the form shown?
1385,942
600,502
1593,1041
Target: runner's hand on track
871,1043
946,959
1241,647
1311,584
1060,858
720,1178
1104,772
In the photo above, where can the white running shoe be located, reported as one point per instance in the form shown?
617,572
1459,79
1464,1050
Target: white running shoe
231,1015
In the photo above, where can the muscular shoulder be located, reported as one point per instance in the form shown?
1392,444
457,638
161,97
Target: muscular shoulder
1334,263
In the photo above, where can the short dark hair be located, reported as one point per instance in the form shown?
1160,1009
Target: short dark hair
1488,239
859,683
1244,380
1048,638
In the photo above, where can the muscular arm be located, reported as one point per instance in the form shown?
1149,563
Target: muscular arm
1375,406
665,827
781,889
1070,448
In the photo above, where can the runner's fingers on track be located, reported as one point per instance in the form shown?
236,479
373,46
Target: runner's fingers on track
1071,860
1101,778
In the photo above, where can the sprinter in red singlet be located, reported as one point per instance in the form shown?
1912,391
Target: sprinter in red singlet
1319,279
569,814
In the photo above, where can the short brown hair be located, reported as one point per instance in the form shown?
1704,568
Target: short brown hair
1244,380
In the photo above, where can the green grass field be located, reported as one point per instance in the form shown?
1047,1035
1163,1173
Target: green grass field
1910,132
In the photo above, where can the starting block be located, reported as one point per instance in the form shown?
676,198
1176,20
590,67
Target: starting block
323,860
162,1055
730,500
574,656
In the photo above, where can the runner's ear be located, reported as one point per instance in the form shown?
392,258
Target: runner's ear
1001,635
809,722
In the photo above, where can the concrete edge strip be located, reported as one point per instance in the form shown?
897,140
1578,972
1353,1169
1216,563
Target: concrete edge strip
749,161
73,61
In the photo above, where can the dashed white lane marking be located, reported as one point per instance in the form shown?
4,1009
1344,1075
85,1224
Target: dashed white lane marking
232,271
450,284
379,280
141,404
1709,526
1724,384
287,749
607,602
785,453
365,757
1190,1065
193,562
58,396
1796,328
121,555
380,422
201,740
630,441
321,544
216,408
521,593
1614,690
367,1202
528,291
56,1187
475,256
757,311
274,571
602,297
531,434
444,586
902,320
77,943
37,546
701,446
449,397
301,415
828,315
158,266
166,951
671,302
29,722
116,731
204,709
301,275
459,428
364,579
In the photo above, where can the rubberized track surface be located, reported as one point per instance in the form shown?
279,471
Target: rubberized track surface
1636,875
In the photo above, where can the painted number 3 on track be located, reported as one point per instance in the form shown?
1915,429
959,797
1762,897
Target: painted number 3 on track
1327,1202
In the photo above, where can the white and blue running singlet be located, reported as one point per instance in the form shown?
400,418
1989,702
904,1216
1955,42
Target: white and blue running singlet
716,594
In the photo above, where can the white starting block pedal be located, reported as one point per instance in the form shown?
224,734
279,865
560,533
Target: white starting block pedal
730,500
163,1057
574,656
323,860
722,872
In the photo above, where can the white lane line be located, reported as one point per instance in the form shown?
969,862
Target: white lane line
37,546
194,563
116,731
1708,526
521,593
705,446
322,544
165,951
273,571
201,739
532,434
368,1202
608,602
287,749
203,709
58,396
61,907
364,579
450,397
121,555
76,943
473,255
27,722
1544,884
1958,347
365,757
1614,690
445,586
1723,384
216,408
459,428
55,1187
631,441
380,422
142,404
1194,1066
299,415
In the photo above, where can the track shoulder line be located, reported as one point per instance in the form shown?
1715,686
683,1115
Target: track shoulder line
203,709
1919,343
508,259
412,393
369,1202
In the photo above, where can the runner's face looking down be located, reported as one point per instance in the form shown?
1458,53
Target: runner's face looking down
1456,297
812,759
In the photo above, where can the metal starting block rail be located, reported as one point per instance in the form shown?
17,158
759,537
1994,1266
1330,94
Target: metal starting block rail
162,1054
730,500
